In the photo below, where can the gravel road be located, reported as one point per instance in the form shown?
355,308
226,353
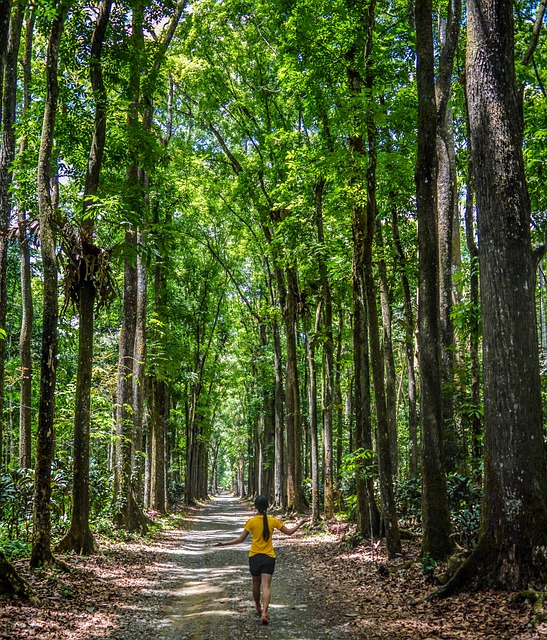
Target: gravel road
201,592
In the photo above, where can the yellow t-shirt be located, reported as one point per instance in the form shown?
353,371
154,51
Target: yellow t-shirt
255,526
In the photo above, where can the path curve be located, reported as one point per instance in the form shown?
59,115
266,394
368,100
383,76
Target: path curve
202,592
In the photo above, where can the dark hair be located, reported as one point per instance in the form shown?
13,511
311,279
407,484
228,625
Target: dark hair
261,505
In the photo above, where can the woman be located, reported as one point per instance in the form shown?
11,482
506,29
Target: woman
262,554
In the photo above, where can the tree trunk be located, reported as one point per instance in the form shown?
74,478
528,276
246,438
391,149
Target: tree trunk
328,350
158,429
447,203
127,512
7,156
139,369
5,8
388,357
389,511
266,435
409,343
474,333
436,539
338,401
312,408
11,583
447,199
79,537
295,497
279,431
368,515
510,553
241,475
364,217
25,339
41,543
25,354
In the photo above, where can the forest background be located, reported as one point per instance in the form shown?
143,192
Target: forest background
210,277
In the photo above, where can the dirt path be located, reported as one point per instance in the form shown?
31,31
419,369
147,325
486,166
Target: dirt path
181,587
203,592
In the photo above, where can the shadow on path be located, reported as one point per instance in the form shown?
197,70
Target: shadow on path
202,592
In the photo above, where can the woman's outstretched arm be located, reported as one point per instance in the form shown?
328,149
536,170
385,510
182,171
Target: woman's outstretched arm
288,531
237,540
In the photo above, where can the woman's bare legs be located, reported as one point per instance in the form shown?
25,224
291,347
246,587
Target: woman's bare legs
266,592
256,594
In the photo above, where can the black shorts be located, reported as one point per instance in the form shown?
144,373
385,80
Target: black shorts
261,563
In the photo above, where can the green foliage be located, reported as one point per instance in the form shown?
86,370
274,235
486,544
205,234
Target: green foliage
408,495
175,491
465,498
260,114
357,462
16,496
15,549
428,565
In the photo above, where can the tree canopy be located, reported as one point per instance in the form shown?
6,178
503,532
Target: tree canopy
239,249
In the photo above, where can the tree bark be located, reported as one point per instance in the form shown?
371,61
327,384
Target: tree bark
312,409
11,583
474,333
280,499
139,372
368,515
5,8
328,350
7,156
79,537
388,356
446,214
295,497
158,435
510,553
389,511
127,512
409,343
25,339
436,539
41,543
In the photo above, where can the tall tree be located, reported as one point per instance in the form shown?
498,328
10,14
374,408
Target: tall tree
41,542
402,266
312,411
436,539
369,517
510,552
447,201
328,350
5,9
87,265
128,514
25,339
385,445
7,154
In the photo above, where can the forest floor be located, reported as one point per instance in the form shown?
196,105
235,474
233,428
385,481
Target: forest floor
182,587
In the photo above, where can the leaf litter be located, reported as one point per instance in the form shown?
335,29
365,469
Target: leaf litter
355,592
